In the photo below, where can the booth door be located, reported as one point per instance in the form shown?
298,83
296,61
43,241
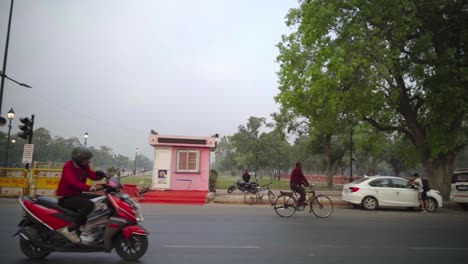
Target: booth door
162,168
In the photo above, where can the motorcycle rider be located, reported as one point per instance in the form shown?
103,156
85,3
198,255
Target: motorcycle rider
246,176
72,186
297,180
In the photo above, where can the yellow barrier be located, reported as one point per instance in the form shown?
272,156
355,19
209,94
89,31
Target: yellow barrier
42,180
45,181
13,182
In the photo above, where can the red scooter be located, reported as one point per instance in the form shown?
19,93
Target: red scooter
113,224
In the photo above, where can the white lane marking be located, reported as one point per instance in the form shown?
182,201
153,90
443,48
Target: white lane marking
437,248
188,246
333,246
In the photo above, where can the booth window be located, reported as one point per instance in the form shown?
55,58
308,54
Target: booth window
188,160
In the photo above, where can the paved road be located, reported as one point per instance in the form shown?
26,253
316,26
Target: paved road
255,234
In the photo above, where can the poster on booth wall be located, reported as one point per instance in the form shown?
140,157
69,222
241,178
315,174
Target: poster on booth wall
162,176
162,168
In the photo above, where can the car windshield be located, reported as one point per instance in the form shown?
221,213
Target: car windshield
462,177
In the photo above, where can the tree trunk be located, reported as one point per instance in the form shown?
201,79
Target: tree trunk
329,167
440,171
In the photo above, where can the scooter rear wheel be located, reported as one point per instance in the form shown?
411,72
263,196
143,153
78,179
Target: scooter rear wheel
32,251
131,249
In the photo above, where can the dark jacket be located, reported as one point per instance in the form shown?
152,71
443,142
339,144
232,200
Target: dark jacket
246,177
297,177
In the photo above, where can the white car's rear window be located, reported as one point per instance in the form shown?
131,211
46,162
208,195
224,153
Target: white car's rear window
462,177
363,179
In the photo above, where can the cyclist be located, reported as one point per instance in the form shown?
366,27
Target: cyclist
297,180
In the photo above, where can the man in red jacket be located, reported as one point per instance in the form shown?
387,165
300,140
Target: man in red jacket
72,186
297,180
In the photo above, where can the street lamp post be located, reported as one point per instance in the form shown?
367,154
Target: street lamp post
85,137
13,141
3,71
10,116
134,167
351,154
5,56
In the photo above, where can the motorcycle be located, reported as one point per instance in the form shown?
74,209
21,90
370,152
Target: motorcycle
113,224
243,186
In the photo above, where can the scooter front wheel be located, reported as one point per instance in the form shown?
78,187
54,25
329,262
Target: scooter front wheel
131,249
32,251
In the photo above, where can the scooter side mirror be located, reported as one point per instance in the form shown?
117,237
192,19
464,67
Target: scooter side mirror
114,183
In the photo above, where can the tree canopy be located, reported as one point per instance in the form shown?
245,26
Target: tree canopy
399,65
58,149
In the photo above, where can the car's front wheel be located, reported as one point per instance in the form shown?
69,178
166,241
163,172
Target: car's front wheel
370,203
431,204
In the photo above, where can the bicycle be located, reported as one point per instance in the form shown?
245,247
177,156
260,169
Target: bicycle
287,203
251,197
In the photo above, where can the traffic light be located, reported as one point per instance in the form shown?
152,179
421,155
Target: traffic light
26,128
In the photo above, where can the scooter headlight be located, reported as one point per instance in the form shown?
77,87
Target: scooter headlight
138,213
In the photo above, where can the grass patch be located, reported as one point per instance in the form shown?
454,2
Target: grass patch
144,180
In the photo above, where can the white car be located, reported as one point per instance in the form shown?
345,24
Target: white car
459,187
387,191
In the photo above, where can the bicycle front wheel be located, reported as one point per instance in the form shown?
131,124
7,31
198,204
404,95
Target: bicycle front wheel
285,206
250,198
321,206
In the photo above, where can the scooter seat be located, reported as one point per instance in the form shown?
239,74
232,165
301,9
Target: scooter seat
52,202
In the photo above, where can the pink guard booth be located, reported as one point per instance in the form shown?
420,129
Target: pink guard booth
181,163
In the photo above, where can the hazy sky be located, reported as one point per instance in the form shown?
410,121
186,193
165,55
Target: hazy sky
117,69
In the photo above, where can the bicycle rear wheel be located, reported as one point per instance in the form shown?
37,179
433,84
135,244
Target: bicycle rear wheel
285,206
250,198
321,206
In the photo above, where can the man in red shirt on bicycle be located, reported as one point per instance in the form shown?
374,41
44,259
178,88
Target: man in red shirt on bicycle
297,180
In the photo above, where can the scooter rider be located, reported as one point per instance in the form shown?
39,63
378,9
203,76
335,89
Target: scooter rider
72,186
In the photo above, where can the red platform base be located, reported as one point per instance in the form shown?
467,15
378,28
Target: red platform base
175,197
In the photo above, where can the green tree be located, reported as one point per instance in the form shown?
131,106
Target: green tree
326,129
276,153
225,155
58,149
41,141
248,145
399,65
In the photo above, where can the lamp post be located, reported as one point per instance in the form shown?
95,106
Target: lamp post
85,137
10,116
134,167
5,56
351,154
13,141
3,71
